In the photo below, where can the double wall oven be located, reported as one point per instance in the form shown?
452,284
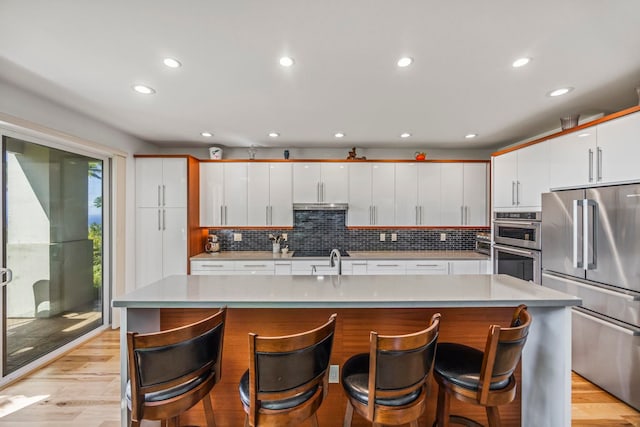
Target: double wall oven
516,245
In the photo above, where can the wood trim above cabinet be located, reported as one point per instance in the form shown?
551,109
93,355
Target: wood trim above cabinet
592,123
340,161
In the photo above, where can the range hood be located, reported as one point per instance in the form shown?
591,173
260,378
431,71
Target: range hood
320,206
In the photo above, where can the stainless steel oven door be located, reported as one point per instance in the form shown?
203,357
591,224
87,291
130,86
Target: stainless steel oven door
521,263
525,234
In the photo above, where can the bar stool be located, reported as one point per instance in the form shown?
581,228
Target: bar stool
288,377
481,378
171,371
388,385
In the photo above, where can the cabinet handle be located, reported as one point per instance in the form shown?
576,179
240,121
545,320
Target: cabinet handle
387,265
427,265
513,190
370,215
221,215
517,192
226,219
270,215
158,195
212,265
254,265
590,165
159,226
318,192
322,191
375,215
599,161
164,219
266,215
421,216
461,215
164,200
417,218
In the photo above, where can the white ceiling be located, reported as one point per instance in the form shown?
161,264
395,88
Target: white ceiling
88,54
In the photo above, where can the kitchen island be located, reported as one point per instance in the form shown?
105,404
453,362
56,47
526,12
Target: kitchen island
279,305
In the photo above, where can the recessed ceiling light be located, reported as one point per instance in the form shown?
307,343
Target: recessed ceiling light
274,134
520,62
145,90
471,135
405,135
286,61
405,61
206,134
172,63
339,135
561,91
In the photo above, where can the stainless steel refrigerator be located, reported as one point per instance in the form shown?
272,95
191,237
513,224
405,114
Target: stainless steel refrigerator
591,249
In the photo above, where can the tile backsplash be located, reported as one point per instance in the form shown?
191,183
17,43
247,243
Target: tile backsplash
325,230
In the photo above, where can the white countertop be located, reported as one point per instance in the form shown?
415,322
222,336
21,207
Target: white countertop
343,291
357,255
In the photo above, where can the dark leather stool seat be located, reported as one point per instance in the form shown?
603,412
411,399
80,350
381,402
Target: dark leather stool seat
288,377
481,378
170,371
387,386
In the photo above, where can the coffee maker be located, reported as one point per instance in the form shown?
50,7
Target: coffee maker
212,244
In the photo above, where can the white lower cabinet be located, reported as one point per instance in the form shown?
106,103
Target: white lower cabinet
233,268
312,267
428,267
381,267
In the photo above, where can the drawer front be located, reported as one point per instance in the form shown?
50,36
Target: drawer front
282,268
212,265
254,266
427,267
312,267
386,267
355,268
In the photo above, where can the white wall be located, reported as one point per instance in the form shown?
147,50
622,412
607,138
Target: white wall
21,104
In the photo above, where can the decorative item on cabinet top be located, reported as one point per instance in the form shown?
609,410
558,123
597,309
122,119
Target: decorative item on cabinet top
215,153
569,122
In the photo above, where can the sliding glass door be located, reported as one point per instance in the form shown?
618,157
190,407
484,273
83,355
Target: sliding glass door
52,214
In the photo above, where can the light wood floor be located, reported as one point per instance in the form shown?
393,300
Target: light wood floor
82,389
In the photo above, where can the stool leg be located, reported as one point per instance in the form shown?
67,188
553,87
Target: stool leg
314,420
246,420
348,415
442,411
208,411
493,415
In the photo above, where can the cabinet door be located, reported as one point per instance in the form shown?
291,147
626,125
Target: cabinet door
571,159
505,172
475,194
148,183
306,182
465,267
174,183
148,246
334,186
174,241
235,194
429,193
258,194
619,150
383,193
280,195
407,211
452,193
211,194
359,212
533,175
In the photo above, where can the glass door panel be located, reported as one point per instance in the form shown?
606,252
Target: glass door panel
52,237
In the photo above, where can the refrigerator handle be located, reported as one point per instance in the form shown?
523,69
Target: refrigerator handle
589,228
577,263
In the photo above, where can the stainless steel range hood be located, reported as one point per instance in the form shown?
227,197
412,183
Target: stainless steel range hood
320,206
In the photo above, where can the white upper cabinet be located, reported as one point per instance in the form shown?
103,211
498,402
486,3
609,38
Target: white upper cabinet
475,194
452,194
521,176
161,182
618,150
371,194
602,154
429,193
407,209
223,194
315,182
571,159
270,194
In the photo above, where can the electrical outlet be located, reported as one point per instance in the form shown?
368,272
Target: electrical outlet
443,237
334,373
394,237
237,237
383,237
285,236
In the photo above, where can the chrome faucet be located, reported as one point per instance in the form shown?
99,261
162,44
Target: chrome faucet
334,257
